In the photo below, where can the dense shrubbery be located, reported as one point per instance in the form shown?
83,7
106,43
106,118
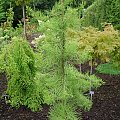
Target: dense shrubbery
98,45
47,75
102,11
51,77
2,12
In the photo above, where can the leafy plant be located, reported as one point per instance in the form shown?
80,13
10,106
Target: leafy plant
97,44
108,68
112,67
3,39
6,29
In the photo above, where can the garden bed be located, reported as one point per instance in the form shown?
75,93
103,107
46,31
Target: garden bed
106,103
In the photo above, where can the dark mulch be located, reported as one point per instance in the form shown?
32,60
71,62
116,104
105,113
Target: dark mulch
106,103
106,100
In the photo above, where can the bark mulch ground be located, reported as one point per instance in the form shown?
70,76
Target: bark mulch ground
106,103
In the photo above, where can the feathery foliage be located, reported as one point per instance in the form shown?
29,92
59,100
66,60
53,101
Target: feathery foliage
18,61
49,76
64,86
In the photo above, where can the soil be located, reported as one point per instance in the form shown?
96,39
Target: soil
106,102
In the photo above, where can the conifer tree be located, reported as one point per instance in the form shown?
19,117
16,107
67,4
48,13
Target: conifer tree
17,60
64,86
50,78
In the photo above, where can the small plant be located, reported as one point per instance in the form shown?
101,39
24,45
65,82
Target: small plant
108,68
6,29
112,67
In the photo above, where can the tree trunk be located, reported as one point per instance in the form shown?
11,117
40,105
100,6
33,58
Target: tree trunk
34,6
62,35
24,33
80,67
62,41
91,67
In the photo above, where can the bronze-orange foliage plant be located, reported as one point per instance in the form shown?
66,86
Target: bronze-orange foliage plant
98,44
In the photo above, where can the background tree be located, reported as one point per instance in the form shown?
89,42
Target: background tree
35,2
76,3
2,12
44,5
103,11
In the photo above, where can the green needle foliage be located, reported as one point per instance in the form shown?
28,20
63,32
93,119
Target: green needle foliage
2,13
64,86
18,62
61,112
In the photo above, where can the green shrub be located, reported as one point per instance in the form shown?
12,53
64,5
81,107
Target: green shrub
18,61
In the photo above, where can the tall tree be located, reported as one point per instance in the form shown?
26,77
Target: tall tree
44,4
77,3
64,86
